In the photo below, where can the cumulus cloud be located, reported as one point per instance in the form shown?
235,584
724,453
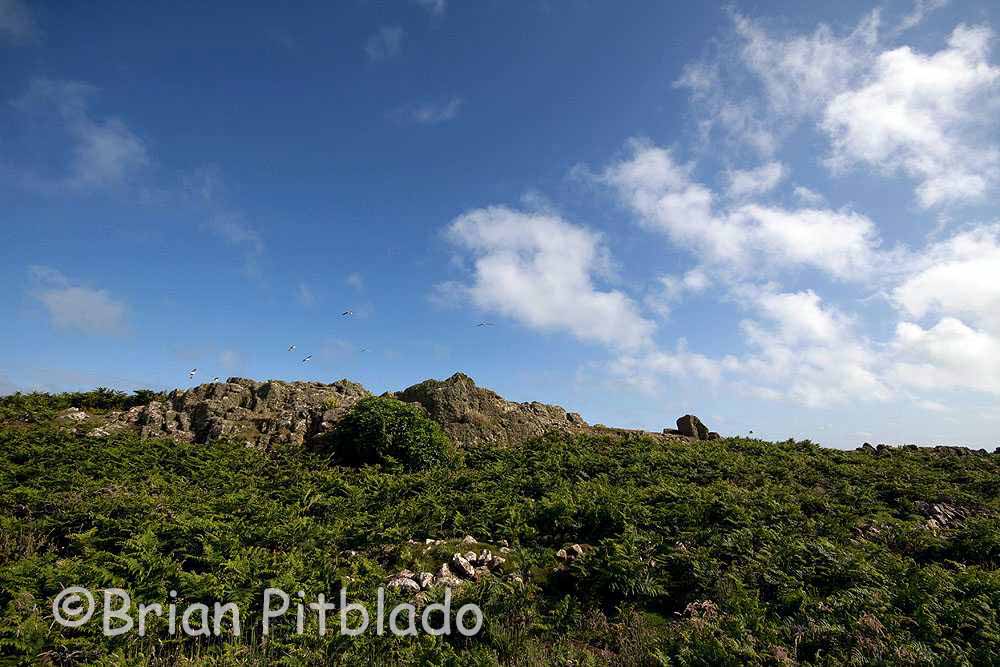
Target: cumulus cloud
103,153
949,355
540,270
74,307
809,353
385,43
922,115
959,276
665,198
931,117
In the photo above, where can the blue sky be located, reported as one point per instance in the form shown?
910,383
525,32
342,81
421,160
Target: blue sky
780,217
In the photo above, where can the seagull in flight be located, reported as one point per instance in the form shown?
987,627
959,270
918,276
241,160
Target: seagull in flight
485,324
291,347
308,357
347,313
364,349
191,373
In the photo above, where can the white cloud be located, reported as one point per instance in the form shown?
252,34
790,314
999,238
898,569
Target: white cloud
103,153
922,115
432,112
949,355
809,353
808,197
539,270
756,181
434,7
916,16
669,289
91,311
959,276
385,43
802,72
744,238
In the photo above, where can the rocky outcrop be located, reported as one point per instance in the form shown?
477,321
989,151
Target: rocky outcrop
261,414
474,416
265,414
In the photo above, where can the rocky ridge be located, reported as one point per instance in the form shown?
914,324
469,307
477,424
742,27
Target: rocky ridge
266,414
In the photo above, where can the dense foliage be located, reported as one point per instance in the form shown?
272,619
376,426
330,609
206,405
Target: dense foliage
732,552
390,432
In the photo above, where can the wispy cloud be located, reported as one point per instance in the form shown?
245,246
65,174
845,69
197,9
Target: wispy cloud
385,43
100,153
356,281
434,7
74,307
16,22
429,112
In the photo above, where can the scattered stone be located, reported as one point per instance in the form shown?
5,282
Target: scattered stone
404,584
468,539
562,555
712,435
462,566
98,433
576,550
72,414
426,580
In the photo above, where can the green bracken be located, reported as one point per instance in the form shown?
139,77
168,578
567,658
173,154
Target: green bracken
730,552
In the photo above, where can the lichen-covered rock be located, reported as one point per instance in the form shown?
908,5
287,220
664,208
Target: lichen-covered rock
473,416
262,414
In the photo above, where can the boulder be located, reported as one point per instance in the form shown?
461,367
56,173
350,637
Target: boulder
691,426
474,416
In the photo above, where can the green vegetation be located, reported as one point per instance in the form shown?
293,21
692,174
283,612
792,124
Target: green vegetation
731,552
392,433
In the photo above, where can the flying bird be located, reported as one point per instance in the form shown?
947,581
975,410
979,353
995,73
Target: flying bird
215,379
485,324
191,373
347,313
308,357
291,347
364,349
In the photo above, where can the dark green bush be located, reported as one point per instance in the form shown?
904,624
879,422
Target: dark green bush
392,433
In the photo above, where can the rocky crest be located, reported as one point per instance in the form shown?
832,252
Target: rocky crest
260,413
473,416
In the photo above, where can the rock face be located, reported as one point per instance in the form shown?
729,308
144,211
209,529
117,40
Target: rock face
474,416
260,413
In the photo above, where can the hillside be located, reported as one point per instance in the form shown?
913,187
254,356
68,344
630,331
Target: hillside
582,545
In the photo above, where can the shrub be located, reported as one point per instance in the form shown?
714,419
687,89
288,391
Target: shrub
390,432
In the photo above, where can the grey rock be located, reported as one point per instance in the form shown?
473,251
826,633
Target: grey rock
474,416
462,566
404,584
262,414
